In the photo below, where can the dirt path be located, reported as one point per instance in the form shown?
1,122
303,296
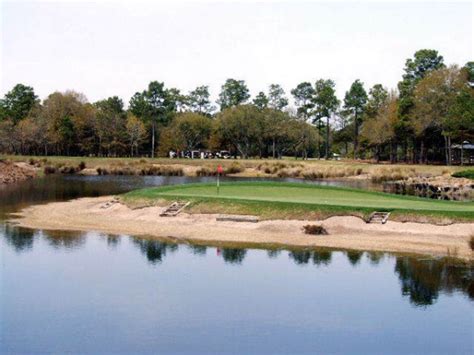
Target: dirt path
344,232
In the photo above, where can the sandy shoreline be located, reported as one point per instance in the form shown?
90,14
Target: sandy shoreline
346,232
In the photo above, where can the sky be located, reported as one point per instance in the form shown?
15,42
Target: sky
105,48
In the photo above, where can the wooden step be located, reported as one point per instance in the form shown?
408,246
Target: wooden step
378,217
174,209
237,218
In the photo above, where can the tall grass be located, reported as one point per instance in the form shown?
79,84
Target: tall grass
393,174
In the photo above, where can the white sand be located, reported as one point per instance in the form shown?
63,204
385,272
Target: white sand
344,232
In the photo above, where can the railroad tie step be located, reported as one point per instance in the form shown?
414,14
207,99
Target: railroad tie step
378,217
174,209
236,218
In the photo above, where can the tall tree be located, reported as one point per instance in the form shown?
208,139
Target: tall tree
355,102
326,104
378,128
70,120
276,97
261,100
177,102
461,116
17,103
303,95
434,97
424,61
239,126
199,100
233,93
188,130
110,125
153,105
469,69
136,132
377,98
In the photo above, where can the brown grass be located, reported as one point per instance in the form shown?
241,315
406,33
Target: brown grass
287,167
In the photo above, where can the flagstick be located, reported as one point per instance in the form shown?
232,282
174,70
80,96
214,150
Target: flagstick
218,183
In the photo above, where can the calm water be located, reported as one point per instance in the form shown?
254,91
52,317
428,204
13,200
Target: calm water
91,293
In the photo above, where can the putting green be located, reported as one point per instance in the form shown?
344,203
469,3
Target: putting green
303,194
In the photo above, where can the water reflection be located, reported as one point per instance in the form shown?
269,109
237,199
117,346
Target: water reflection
354,257
322,257
318,257
233,255
20,239
423,280
65,240
154,250
300,257
273,253
197,249
113,240
375,257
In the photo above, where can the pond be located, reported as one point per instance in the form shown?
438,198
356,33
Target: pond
94,293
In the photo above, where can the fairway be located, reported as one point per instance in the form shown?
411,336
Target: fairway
303,194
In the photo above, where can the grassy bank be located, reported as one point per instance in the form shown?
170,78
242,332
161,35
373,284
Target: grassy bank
296,201
288,167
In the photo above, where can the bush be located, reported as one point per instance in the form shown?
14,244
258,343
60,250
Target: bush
164,170
82,165
68,169
235,168
206,171
48,169
102,171
315,229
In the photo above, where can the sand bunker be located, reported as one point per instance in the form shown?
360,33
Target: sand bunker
347,232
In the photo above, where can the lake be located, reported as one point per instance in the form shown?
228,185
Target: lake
94,293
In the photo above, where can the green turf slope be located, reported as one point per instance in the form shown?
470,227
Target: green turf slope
294,193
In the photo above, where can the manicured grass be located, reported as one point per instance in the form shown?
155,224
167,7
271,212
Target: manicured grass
468,174
305,197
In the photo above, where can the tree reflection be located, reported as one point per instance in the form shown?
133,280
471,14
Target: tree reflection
303,257
322,257
423,280
154,250
354,257
234,255
273,253
300,257
375,257
64,239
112,240
21,239
198,249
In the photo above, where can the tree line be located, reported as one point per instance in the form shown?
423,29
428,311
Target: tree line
432,108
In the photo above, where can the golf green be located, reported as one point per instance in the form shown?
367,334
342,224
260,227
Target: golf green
294,193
